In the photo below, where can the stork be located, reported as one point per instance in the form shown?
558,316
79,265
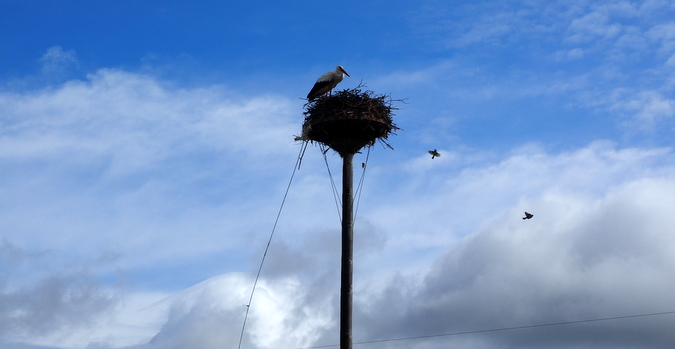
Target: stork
327,82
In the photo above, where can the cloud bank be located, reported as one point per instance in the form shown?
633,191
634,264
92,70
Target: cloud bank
600,245
133,212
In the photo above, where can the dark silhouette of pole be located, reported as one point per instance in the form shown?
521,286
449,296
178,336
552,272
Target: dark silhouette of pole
347,270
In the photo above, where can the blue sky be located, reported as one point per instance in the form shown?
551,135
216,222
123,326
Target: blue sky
145,148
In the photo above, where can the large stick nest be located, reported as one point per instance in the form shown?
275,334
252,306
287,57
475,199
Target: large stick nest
348,120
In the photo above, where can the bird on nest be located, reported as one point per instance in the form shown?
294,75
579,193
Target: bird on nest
327,82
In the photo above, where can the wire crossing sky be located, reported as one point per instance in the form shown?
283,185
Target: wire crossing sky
503,329
144,148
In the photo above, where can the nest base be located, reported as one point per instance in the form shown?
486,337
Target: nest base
347,135
348,120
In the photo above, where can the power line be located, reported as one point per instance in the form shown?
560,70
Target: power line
562,323
269,241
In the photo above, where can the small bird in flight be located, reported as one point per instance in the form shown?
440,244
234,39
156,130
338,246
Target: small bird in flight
434,153
327,82
528,216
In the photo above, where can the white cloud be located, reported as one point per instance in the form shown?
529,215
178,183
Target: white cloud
447,251
102,155
573,54
593,26
174,181
136,120
600,245
42,299
664,35
645,110
579,54
56,60
211,314
123,164
578,258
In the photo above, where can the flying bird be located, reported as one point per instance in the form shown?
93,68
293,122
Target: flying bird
434,153
528,216
327,82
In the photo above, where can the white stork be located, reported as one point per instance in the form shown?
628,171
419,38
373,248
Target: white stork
327,82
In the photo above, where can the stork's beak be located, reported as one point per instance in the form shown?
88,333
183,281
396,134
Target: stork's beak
344,71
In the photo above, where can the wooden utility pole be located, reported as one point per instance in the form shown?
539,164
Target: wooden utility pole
347,271
346,122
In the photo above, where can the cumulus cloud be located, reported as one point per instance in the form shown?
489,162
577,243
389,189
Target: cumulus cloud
599,246
580,258
118,141
128,167
135,119
39,298
454,255
175,184
211,314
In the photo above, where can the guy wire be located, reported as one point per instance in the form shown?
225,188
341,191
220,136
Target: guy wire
336,195
269,241
360,186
